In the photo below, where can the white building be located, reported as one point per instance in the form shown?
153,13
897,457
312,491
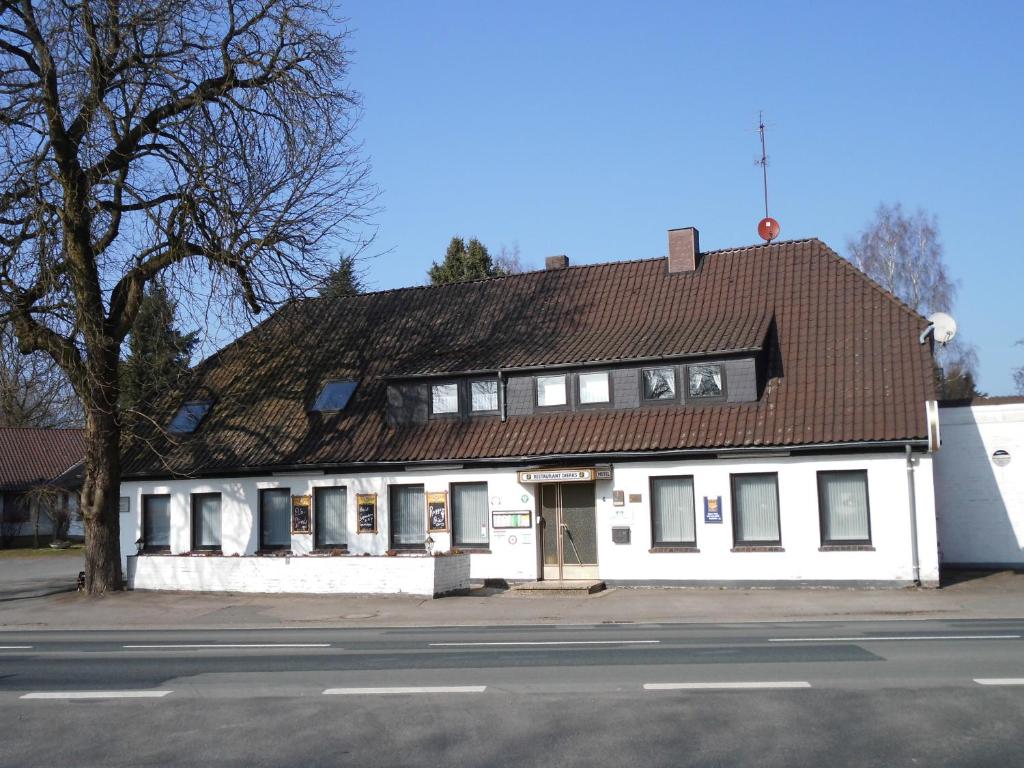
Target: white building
748,416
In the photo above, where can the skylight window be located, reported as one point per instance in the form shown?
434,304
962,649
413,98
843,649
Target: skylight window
189,417
335,395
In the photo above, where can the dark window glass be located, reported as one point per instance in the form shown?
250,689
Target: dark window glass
659,383
704,381
206,521
408,516
672,511
156,522
275,518
334,396
469,514
843,503
331,517
189,416
755,503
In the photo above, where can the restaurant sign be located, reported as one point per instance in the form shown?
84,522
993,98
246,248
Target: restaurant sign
584,475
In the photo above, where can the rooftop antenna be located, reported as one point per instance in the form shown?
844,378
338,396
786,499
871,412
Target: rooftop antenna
768,228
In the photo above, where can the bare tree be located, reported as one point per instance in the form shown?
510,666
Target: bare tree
509,260
34,391
1018,374
903,253
205,141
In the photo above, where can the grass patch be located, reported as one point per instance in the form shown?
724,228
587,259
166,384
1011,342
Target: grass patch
74,549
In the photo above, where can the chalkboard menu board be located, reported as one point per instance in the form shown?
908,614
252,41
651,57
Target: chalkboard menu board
301,522
366,507
437,511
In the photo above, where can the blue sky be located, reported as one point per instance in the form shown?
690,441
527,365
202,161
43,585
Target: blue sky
591,128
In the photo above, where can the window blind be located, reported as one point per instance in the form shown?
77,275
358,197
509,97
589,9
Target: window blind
408,515
757,508
331,515
469,513
672,500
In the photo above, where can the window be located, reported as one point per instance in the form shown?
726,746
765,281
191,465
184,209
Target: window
408,516
755,509
189,416
335,395
206,521
672,512
593,388
659,383
469,515
275,518
444,399
156,523
331,525
705,381
550,391
843,506
483,395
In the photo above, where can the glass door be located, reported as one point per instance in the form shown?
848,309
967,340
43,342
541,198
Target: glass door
570,531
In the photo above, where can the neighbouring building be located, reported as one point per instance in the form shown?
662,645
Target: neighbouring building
756,415
40,478
979,483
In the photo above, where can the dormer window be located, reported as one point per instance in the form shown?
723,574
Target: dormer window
189,416
659,383
483,396
551,391
705,381
593,388
334,396
444,399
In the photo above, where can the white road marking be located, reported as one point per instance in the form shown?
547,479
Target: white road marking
232,645
876,639
725,686
96,695
413,689
999,680
15,647
557,642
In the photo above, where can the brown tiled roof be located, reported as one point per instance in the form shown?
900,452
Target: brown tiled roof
849,369
30,456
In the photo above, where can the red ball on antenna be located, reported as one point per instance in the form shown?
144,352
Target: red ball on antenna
768,228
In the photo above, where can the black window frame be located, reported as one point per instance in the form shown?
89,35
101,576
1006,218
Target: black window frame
469,396
475,545
196,547
273,547
392,544
566,406
644,400
821,509
693,490
323,388
690,398
580,405
735,511
146,546
318,543
458,399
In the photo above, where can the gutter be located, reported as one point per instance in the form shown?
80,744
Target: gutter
911,493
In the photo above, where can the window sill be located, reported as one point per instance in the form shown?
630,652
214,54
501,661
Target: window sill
206,553
846,548
688,550
768,548
467,550
329,552
274,553
166,551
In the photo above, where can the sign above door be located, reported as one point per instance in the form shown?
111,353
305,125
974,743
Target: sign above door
567,475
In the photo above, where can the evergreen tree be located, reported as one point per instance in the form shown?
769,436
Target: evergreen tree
343,280
463,262
158,353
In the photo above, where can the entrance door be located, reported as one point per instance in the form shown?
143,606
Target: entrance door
570,531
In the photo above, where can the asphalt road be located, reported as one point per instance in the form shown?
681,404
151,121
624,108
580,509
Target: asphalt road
823,693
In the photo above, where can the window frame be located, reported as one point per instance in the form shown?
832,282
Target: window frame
735,512
567,405
577,390
146,546
323,388
644,400
458,400
318,544
469,396
196,546
687,397
262,547
471,546
821,509
655,544
392,544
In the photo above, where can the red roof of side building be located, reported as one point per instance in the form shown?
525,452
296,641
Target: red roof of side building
30,456
847,365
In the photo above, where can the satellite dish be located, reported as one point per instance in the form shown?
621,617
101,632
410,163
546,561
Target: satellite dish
768,228
943,327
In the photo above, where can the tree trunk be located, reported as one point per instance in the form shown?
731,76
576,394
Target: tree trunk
100,492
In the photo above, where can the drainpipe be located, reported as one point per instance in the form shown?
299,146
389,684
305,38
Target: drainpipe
503,389
913,517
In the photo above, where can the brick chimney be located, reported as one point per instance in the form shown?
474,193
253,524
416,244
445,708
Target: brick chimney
556,262
683,249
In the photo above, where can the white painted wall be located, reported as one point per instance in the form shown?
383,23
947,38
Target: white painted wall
890,561
980,505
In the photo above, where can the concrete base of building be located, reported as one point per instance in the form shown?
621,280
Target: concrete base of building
769,584
555,588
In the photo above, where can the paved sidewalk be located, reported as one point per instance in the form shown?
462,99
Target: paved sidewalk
23,578
977,596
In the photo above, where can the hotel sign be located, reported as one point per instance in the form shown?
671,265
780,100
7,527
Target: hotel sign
557,475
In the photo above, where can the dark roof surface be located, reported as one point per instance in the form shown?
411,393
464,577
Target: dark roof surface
849,368
30,456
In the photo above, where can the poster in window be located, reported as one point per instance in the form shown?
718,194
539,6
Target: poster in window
437,511
301,520
366,508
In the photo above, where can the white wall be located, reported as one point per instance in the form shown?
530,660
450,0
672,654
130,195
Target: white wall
514,555
980,505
